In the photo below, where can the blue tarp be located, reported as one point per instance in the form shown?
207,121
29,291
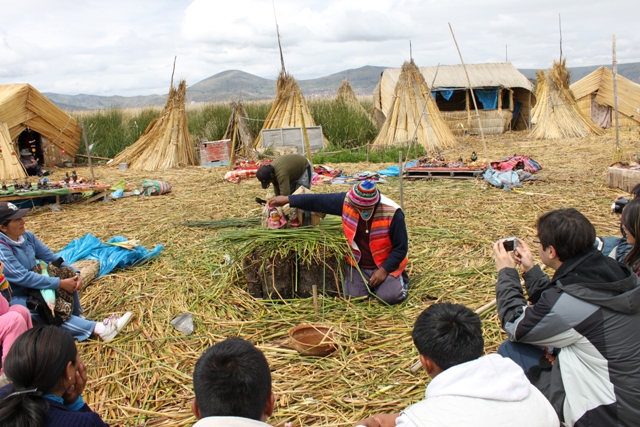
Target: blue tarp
488,98
446,93
109,256
505,180
395,170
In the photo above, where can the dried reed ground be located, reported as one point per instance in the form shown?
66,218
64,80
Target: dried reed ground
143,377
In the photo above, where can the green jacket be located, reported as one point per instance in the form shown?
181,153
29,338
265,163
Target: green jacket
289,168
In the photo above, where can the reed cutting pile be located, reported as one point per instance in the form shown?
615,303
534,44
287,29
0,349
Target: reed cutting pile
406,117
10,166
556,114
143,377
166,142
289,110
347,96
238,130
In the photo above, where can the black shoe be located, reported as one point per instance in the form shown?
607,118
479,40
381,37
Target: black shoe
46,173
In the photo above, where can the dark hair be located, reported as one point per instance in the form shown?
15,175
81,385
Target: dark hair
449,334
264,173
232,378
37,360
631,221
568,231
635,191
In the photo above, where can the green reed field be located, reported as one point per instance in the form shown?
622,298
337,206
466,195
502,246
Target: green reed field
112,130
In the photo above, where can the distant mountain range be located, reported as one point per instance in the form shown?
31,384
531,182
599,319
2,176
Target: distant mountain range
236,84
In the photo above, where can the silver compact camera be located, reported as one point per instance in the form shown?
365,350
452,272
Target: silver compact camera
510,243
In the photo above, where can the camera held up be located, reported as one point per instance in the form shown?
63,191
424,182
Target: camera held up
510,243
618,205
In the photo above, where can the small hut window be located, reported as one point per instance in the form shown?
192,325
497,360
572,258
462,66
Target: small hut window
450,100
487,99
506,99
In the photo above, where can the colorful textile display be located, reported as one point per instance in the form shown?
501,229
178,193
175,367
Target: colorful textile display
517,162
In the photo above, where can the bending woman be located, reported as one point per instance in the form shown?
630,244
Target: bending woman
631,225
48,379
20,251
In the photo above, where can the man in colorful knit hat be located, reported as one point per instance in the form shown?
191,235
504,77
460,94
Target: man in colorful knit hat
376,231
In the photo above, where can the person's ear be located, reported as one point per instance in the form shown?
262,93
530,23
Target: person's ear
269,407
70,373
195,409
429,366
552,252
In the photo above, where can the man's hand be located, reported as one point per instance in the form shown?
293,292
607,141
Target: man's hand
278,201
78,282
502,257
380,420
75,390
523,256
379,276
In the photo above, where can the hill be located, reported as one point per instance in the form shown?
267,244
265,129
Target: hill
236,84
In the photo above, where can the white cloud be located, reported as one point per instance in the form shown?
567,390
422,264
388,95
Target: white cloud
127,47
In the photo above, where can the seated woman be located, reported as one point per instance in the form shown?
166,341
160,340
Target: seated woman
20,250
13,322
47,378
631,225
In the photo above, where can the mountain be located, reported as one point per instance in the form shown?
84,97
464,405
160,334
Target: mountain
236,84
630,71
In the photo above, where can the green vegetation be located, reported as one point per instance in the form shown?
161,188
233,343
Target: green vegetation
111,131
335,154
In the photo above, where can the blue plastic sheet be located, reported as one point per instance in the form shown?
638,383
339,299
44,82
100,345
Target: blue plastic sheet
488,98
109,256
395,170
446,93
505,180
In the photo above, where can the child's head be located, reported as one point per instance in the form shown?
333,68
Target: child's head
232,378
448,334
568,231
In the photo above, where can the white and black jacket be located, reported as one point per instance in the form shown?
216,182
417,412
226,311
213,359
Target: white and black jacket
590,312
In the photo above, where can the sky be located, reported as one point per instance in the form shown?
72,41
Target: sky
127,47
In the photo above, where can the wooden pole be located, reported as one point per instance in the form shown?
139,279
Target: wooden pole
417,365
314,290
615,94
473,96
400,176
232,159
86,147
307,146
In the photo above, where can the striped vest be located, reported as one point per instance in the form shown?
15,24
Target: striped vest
379,241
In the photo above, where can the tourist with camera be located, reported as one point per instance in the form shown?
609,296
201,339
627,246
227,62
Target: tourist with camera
631,226
576,335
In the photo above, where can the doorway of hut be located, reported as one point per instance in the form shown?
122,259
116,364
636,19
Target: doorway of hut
31,140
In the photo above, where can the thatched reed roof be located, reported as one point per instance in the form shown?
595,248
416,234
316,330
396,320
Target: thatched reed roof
238,129
347,96
22,107
452,76
289,109
600,84
556,114
10,166
411,94
166,142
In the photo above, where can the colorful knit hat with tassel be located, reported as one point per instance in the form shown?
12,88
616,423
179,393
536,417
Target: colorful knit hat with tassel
364,194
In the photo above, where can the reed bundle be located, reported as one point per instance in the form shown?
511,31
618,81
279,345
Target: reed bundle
289,109
238,130
224,223
10,166
144,376
406,117
166,142
347,96
556,114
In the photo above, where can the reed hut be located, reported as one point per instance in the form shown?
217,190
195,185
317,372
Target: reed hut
556,114
289,110
347,96
504,96
594,96
408,118
10,166
36,123
238,130
166,143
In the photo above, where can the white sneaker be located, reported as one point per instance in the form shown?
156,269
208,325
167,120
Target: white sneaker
114,324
